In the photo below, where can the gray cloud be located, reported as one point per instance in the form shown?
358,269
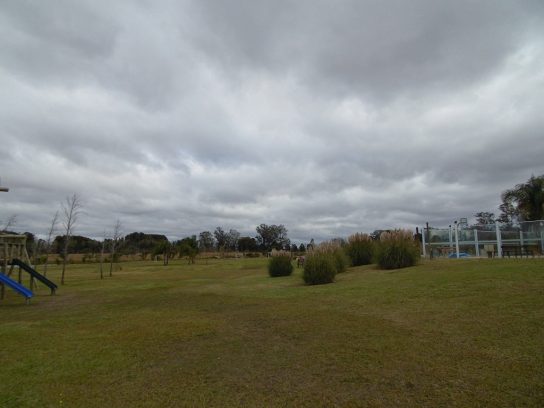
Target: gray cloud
371,49
328,117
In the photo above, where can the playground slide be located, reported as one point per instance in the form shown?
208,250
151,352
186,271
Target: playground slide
35,274
17,287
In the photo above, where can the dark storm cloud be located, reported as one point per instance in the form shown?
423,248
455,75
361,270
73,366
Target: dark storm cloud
329,117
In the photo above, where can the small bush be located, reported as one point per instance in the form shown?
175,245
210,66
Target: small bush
360,249
397,249
319,268
280,266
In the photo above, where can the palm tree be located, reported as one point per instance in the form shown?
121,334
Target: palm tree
527,199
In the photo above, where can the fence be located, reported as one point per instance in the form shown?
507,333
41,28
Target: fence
525,239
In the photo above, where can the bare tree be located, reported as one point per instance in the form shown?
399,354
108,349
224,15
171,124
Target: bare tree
102,255
71,209
52,230
10,222
36,252
117,228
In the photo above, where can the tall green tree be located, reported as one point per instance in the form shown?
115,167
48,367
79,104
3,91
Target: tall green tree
188,247
144,244
247,244
164,248
206,241
526,200
484,218
221,239
272,236
508,213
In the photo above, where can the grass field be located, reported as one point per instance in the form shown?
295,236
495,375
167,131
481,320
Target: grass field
456,333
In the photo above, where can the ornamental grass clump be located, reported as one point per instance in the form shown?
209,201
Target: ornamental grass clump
280,266
335,249
397,249
360,249
319,268
341,260
324,262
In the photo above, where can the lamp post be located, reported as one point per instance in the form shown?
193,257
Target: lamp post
456,238
499,238
450,238
541,237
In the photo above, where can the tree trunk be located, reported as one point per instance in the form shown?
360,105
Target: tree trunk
45,264
65,258
102,262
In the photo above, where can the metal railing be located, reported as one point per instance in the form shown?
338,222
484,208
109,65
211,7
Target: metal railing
523,239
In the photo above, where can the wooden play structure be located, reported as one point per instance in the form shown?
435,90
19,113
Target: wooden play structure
13,254
12,246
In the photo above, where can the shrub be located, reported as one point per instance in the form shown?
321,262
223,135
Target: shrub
397,249
360,249
319,268
280,266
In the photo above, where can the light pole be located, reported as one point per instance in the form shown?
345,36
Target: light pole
451,238
499,238
456,238
541,237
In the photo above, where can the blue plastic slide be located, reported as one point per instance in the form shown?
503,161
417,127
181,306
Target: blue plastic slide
17,287
35,274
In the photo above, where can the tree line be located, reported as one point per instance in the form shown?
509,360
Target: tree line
147,245
114,244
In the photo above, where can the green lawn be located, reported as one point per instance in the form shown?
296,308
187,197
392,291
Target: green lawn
456,333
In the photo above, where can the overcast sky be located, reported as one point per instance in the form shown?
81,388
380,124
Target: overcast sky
329,117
